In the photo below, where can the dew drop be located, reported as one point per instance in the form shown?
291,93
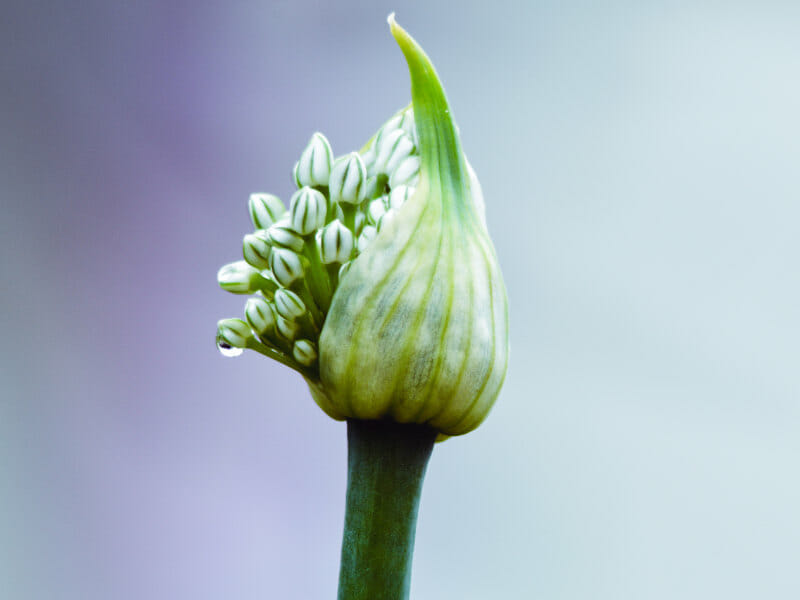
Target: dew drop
227,350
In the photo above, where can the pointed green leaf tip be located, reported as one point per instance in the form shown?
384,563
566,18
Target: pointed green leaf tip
441,157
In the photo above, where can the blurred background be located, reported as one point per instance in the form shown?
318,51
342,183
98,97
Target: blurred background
641,166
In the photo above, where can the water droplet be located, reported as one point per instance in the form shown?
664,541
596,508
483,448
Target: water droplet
227,350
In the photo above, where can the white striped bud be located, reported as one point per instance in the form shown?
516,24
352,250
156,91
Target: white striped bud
256,249
361,220
233,336
392,150
375,186
265,209
259,315
238,278
385,219
348,179
308,210
285,237
335,243
407,123
314,166
376,209
286,266
289,305
366,237
286,329
304,352
344,269
399,195
406,172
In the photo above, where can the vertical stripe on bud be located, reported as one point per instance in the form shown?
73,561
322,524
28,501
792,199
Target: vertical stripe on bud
286,266
407,123
238,278
399,195
385,219
406,172
348,180
366,237
259,315
304,352
286,329
392,149
308,210
335,243
233,335
256,249
314,166
285,237
289,305
265,209
376,209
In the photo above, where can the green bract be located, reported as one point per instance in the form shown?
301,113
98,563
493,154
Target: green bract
381,285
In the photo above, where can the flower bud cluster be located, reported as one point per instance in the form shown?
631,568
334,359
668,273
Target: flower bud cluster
295,258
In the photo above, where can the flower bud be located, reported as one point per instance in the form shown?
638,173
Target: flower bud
259,315
304,352
399,195
348,180
238,278
285,237
406,172
286,328
256,249
308,210
289,305
376,209
335,243
286,266
233,336
422,311
265,209
314,166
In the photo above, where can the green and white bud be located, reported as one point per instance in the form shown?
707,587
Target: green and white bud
406,172
285,237
335,243
376,209
265,209
422,311
233,336
304,352
366,238
375,186
289,305
344,269
238,278
392,149
256,249
361,221
385,219
308,210
286,328
314,166
407,123
259,316
348,179
399,195
286,266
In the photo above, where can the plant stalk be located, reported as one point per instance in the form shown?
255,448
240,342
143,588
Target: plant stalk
386,464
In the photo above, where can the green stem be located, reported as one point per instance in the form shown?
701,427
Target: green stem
386,464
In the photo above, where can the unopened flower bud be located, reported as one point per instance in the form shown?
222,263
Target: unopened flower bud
399,195
289,305
375,186
376,209
406,172
348,179
256,249
314,166
265,209
238,278
259,315
304,352
286,328
308,210
286,266
367,236
285,237
392,149
335,243
233,336
385,219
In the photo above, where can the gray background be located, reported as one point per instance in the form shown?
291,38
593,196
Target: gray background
640,166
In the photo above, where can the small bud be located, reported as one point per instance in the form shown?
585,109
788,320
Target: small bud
361,220
232,336
348,179
286,266
308,210
407,123
238,278
256,249
286,329
304,352
375,186
259,315
392,149
376,209
335,243
406,172
366,237
385,219
289,305
344,269
265,209
314,166
399,195
285,237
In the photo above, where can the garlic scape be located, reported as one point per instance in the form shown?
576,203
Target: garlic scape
398,309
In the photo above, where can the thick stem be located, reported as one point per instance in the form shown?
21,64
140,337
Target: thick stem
385,468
